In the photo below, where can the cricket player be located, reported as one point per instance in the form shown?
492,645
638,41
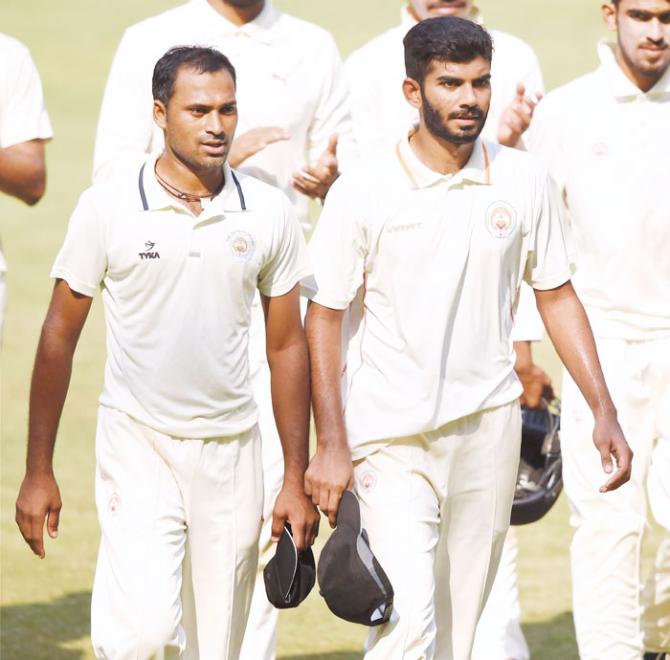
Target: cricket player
381,115
178,247
24,128
294,130
439,232
606,138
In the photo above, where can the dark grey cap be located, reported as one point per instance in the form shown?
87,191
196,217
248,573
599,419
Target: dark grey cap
353,584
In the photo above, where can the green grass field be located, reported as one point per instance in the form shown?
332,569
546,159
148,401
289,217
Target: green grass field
45,604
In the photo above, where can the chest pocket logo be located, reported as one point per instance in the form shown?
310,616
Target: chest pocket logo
500,219
241,245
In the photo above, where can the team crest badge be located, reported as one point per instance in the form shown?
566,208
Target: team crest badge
500,219
241,245
368,481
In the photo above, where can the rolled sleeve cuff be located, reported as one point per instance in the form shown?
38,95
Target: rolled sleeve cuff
77,285
553,282
284,286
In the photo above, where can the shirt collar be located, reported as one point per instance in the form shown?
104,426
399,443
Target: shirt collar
260,29
619,83
419,175
408,21
153,197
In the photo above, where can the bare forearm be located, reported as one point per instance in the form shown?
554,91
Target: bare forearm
50,381
290,400
324,332
570,332
22,171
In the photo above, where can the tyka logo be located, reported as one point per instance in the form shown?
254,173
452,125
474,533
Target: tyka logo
149,253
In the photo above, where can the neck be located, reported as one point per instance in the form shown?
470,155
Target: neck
642,81
237,15
201,183
439,154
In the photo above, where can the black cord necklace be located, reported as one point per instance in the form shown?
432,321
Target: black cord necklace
180,194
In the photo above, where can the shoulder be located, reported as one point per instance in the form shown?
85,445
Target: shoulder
169,18
378,48
507,45
514,165
308,36
12,49
559,104
261,196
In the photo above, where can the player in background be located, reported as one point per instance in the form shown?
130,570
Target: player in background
606,138
178,247
24,128
381,115
439,231
293,133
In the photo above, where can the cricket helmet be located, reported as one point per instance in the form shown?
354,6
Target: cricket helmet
539,480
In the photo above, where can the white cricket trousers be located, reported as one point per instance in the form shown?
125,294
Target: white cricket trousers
437,507
614,618
180,521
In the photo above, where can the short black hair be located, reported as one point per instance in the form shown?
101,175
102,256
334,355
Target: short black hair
444,39
198,58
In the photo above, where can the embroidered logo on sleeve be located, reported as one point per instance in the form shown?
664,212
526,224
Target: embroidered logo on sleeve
500,219
241,245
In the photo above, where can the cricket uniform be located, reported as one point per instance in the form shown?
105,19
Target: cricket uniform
431,397
23,115
380,115
290,75
179,473
606,144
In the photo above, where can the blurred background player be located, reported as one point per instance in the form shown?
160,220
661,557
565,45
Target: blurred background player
381,115
294,128
606,139
24,128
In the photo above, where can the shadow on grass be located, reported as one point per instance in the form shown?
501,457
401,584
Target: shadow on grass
553,639
40,630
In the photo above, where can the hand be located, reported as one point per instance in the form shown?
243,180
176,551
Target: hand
293,505
536,386
39,498
246,145
516,117
316,181
329,474
609,441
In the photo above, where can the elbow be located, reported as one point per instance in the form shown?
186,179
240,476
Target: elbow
34,188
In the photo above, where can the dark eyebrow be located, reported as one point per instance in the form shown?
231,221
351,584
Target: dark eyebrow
484,78
449,79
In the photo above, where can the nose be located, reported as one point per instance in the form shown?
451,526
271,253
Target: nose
214,123
468,96
655,31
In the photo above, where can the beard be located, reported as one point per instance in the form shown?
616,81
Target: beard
438,127
197,162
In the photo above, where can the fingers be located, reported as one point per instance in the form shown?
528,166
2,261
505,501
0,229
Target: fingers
299,536
520,90
624,460
332,144
333,506
31,528
605,458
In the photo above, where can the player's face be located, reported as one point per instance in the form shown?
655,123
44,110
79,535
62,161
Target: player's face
455,99
200,119
423,9
643,28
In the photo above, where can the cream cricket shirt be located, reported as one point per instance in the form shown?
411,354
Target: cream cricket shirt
607,145
289,74
177,291
380,112
439,261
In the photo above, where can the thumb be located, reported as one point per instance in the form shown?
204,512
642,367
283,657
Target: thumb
332,144
520,90
606,458
52,522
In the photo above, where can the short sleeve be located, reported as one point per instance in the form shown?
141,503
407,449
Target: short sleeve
82,260
286,263
547,265
23,115
337,249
